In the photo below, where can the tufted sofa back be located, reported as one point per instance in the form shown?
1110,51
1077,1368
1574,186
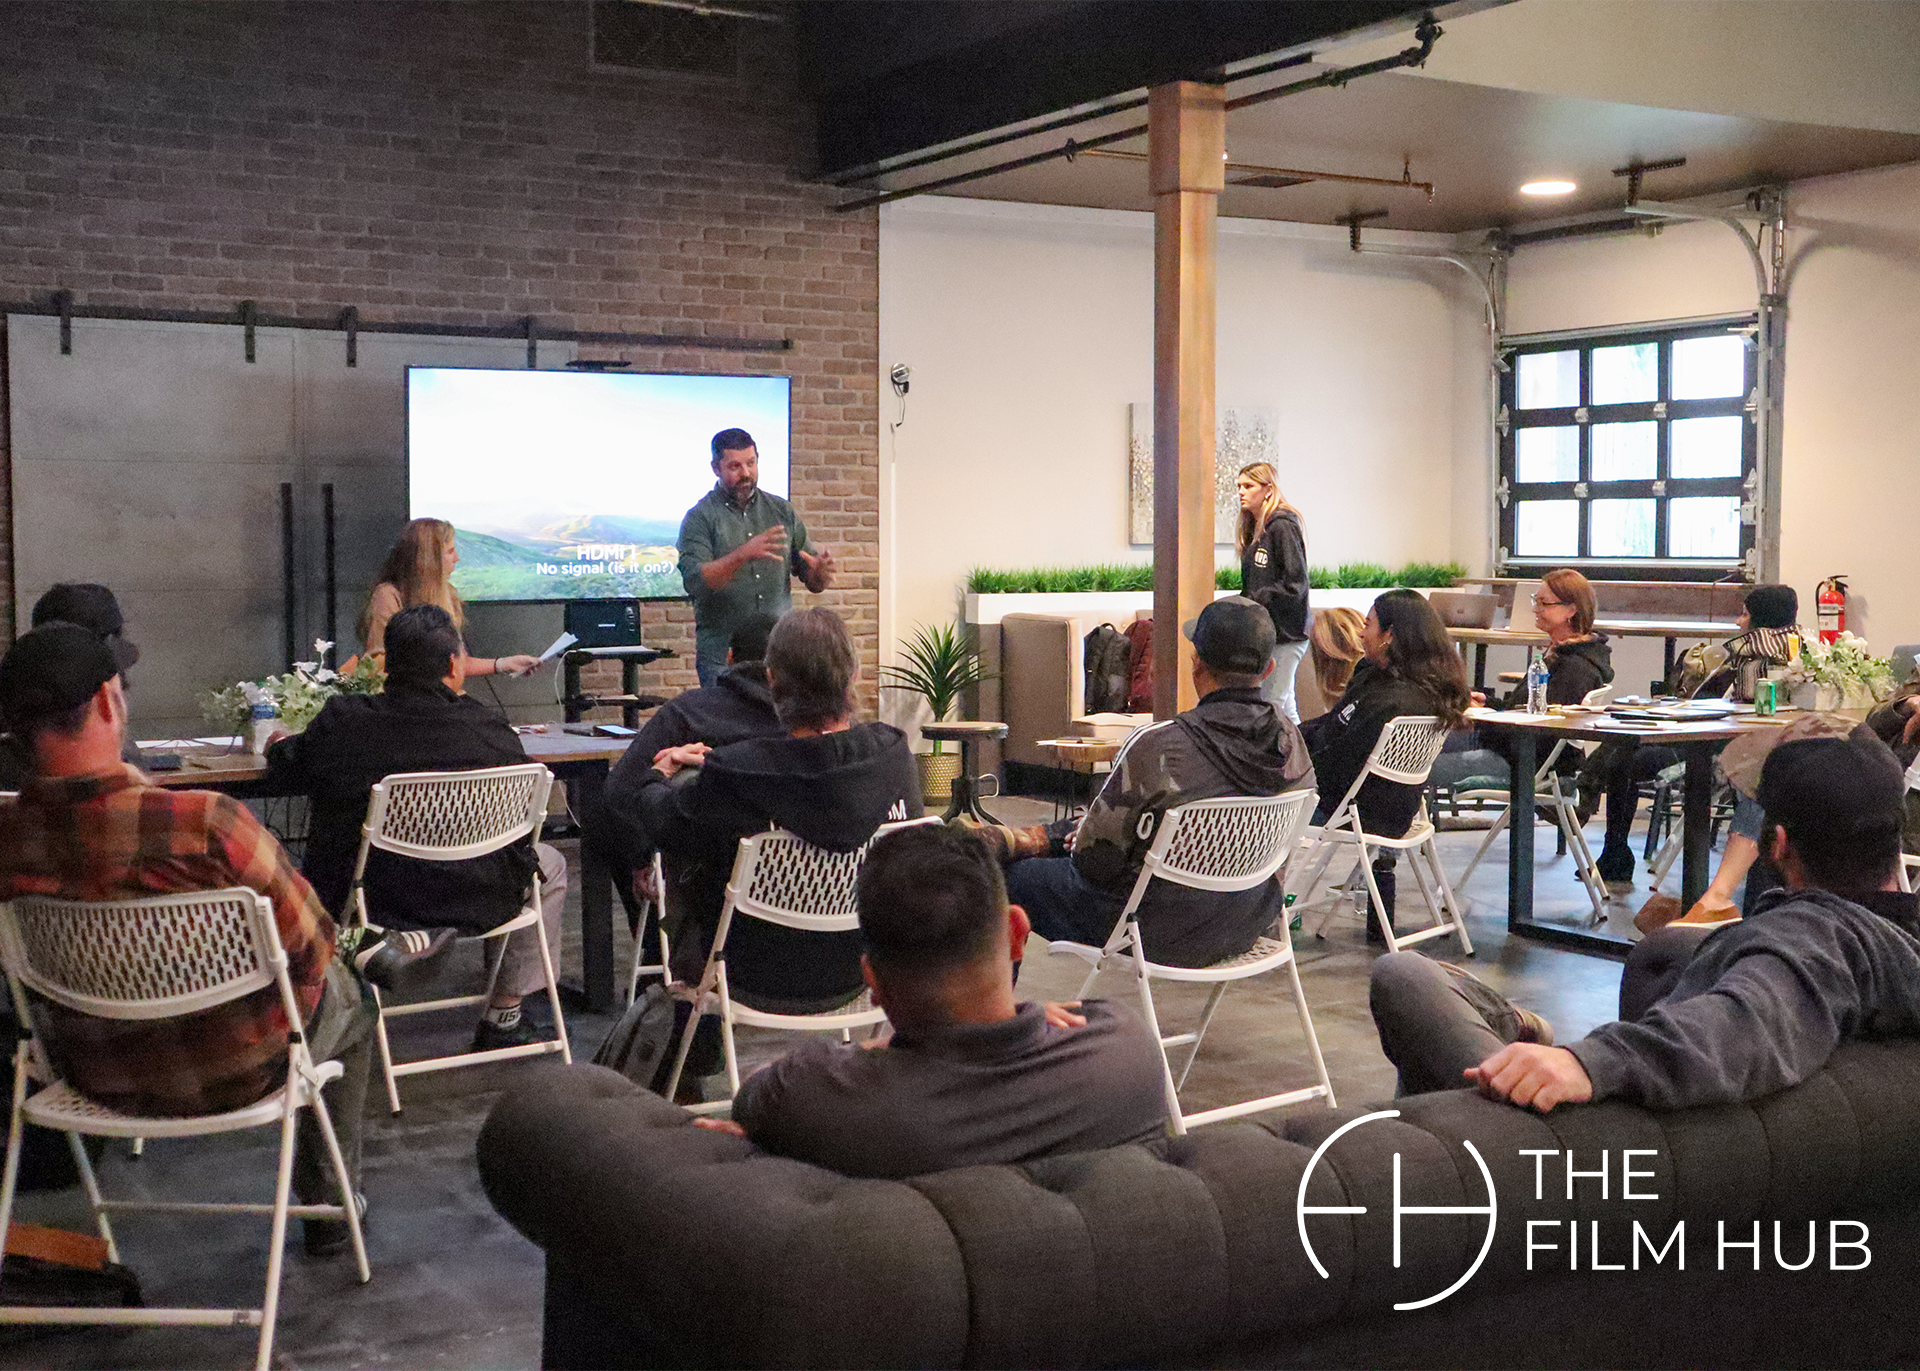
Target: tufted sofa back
687,1246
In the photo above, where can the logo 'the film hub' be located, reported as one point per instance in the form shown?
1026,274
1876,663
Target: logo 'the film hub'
1604,1249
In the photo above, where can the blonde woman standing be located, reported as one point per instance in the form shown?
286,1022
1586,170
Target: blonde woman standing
1273,573
417,572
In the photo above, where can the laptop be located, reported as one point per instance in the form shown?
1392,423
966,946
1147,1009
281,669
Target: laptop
1463,609
604,623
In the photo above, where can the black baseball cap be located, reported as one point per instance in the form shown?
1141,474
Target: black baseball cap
1232,634
1834,793
55,668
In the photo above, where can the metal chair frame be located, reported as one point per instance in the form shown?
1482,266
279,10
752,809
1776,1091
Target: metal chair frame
406,815
1403,755
124,959
1260,834
782,879
652,910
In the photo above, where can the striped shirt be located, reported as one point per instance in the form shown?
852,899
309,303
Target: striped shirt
115,835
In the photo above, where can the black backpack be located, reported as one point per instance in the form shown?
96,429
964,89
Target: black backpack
640,1046
1108,661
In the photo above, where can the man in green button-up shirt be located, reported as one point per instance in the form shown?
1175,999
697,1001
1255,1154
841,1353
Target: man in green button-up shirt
737,548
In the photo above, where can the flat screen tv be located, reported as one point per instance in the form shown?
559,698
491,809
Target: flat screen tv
566,485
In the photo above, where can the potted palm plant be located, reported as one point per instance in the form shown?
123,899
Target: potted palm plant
939,665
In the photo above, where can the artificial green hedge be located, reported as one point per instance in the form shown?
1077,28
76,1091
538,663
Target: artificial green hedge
1115,576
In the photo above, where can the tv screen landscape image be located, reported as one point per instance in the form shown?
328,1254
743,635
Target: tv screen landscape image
565,485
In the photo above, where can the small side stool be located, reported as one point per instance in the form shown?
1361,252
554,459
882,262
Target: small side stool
968,733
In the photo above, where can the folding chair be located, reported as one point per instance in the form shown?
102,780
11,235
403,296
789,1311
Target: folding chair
1549,793
1403,755
652,909
161,958
1231,844
450,816
782,879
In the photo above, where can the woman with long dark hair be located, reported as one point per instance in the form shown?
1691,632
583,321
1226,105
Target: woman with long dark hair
1410,667
418,571
1273,574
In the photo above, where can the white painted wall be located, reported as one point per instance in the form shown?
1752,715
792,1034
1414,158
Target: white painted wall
1030,330
1853,366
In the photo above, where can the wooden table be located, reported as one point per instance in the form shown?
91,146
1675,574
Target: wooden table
1669,629
1533,734
969,733
581,764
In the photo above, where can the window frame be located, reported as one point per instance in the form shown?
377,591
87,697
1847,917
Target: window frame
1662,487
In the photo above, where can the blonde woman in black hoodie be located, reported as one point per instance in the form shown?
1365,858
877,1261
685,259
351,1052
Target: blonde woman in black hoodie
1273,574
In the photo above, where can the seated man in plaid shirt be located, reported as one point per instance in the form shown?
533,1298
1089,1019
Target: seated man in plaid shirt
87,826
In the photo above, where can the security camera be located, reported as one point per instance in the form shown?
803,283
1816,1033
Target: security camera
902,375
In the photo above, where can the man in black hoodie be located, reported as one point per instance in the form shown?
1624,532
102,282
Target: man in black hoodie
1760,1006
734,708
1233,742
829,780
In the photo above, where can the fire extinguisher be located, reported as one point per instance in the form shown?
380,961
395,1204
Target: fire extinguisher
1832,601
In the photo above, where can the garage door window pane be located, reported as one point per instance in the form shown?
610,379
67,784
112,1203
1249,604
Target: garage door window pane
1626,375
1705,447
1549,380
1620,528
1704,526
1546,528
1546,454
1709,368
1624,452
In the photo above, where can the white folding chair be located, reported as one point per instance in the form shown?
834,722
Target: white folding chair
652,907
1231,844
1403,755
450,816
161,958
1548,793
782,879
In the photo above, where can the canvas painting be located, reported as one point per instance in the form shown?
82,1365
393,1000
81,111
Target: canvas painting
1240,436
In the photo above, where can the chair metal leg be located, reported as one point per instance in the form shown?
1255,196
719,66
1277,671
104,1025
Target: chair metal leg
699,1001
726,1035
337,1160
1176,1125
1200,1033
553,990
1380,915
386,1050
277,1244
1431,850
1499,827
85,1165
1313,1038
10,1176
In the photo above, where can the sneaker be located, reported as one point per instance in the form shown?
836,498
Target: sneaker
1533,1027
395,959
520,1033
331,1237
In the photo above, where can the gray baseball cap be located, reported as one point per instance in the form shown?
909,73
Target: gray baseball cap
1232,634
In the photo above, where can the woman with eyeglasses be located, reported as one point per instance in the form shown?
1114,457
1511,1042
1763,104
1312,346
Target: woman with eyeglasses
1579,660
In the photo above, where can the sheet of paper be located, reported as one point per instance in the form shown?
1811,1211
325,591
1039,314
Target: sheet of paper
560,645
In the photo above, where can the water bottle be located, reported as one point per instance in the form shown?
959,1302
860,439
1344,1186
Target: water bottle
1537,684
264,715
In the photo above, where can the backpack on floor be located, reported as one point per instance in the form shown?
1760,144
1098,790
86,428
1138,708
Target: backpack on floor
640,1045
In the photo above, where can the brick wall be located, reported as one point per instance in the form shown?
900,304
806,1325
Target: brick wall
454,163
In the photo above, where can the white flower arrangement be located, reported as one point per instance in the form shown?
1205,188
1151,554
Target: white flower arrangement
1846,665
299,695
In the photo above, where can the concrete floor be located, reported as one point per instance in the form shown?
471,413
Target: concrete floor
454,1286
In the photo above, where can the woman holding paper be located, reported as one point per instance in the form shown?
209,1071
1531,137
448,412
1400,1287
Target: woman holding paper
418,571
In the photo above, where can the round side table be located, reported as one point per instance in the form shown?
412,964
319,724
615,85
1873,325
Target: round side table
967,733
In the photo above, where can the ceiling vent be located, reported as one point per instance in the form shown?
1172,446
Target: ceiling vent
629,36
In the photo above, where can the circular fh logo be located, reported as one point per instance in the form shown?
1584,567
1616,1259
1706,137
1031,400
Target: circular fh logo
1491,1208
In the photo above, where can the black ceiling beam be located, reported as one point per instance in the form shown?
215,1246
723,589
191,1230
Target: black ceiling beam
942,81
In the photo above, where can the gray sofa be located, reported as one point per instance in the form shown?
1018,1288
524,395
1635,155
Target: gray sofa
671,1245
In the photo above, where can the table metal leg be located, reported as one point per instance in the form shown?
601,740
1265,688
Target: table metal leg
1520,830
584,787
1480,666
1697,823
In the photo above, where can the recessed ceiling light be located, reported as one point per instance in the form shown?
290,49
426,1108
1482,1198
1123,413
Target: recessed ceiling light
1548,188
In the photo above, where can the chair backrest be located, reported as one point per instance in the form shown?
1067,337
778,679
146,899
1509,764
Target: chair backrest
780,877
1406,749
153,958
1599,695
449,816
1233,843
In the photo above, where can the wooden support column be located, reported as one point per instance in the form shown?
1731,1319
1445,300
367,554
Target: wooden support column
1186,148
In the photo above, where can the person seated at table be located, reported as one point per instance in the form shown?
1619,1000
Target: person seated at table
1708,1015
1579,660
422,722
1233,742
1410,667
737,706
1333,645
1618,769
970,1077
418,571
86,826
90,606
828,779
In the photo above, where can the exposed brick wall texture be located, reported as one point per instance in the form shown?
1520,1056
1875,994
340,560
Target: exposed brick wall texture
458,164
